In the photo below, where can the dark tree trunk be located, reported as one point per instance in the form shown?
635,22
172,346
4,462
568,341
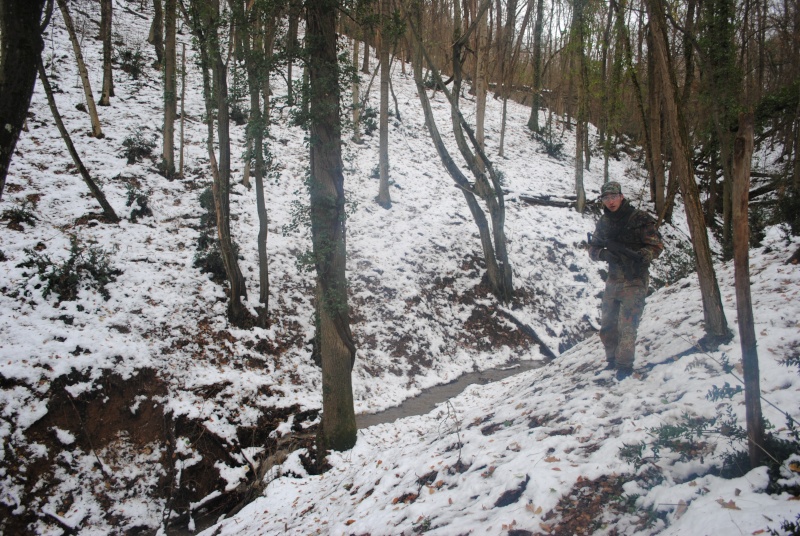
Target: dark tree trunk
106,11
204,24
716,326
156,37
96,191
337,349
533,121
384,198
170,89
743,154
20,47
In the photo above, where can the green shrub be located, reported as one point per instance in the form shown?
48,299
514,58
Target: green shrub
137,146
85,265
131,60
141,199
369,120
16,216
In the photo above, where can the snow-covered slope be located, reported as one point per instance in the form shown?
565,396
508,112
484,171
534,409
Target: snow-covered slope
121,414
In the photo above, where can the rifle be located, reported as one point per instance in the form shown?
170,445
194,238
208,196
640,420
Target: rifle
631,261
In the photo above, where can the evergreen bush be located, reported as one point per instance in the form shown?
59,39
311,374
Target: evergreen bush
85,265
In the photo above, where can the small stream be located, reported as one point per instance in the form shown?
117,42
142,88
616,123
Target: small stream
426,401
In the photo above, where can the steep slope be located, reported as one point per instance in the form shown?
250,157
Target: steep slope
144,408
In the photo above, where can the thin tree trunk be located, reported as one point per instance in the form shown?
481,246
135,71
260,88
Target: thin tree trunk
657,165
156,37
183,105
96,191
97,131
716,326
106,11
384,199
258,127
170,89
337,349
493,241
743,153
533,121
355,91
21,44
581,118
204,24
481,85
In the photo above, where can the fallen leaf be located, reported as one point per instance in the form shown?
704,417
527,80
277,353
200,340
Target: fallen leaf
730,505
681,509
551,459
737,492
794,467
545,527
349,521
759,531
450,500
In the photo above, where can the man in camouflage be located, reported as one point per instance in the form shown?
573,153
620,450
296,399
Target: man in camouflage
627,239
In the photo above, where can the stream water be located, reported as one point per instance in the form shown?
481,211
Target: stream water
426,401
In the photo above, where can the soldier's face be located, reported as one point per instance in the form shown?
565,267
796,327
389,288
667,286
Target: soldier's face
612,201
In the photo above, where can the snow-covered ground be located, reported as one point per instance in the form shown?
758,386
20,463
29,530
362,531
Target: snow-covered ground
106,404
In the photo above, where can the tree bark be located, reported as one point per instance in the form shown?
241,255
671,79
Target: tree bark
204,24
106,12
384,198
493,241
356,86
337,349
533,121
481,85
20,46
716,326
258,127
743,154
156,37
96,191
170,89
578,31
97,131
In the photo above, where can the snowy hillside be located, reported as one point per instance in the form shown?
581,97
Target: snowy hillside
143,410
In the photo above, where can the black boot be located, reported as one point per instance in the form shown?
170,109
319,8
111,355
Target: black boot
610,365
623,372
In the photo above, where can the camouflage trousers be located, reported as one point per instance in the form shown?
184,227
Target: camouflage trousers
622,307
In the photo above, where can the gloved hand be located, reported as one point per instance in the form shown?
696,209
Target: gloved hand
608,256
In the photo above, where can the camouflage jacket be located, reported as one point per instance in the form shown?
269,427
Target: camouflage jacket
634,229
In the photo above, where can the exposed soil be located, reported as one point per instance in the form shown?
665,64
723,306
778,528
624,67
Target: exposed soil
119,442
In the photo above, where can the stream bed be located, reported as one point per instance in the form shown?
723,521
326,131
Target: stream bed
426,401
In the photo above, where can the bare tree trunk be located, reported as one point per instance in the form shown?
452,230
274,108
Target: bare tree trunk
96,191
156,37
355,91
337,349
21,44
170,90
657,165
97,131
493,241
106,11
384,199
481,86
183,105
258,127
743,154
533,121
291,38
716,326
204,25
578,30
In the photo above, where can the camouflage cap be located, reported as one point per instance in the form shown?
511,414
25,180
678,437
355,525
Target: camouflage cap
610,188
